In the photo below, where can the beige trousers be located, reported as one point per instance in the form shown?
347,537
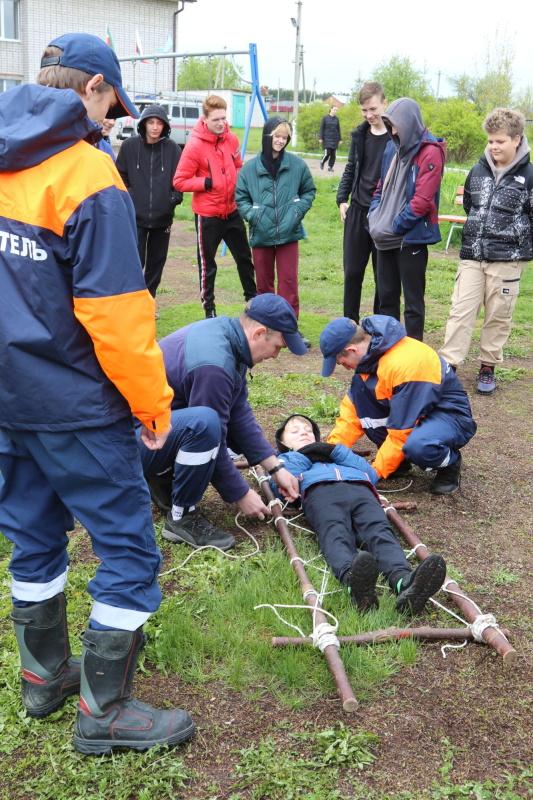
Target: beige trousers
494,285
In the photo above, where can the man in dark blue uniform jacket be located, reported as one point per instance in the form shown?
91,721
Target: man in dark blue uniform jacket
206,365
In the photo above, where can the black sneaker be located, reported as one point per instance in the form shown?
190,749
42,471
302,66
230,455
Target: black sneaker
306,341
160,487
196,530
448,479
420,585
362,578
321,165
400,472
486,380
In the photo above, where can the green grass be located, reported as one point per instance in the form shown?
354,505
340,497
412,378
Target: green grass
202,635
309,775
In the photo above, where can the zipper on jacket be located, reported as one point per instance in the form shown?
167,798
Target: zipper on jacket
150,205
484,225
276,207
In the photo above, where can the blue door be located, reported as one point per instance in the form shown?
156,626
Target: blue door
239,105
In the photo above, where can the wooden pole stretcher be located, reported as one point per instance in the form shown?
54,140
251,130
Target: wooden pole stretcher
491,634
331,651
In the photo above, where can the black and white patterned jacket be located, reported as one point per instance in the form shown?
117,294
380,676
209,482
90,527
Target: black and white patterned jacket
500,215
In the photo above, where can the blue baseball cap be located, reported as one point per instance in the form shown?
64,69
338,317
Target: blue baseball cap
90,54
276,313
333,339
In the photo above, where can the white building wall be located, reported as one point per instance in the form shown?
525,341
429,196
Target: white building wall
44,20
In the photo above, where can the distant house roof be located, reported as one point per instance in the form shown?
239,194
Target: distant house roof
284,105
339,100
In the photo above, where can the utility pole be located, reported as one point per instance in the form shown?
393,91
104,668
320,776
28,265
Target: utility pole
297,23
303,73
438,84
221,71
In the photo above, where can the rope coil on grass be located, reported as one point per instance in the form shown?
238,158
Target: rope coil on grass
409,553
276,502
482,622
324,635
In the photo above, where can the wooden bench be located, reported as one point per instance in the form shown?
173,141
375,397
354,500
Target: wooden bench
456,220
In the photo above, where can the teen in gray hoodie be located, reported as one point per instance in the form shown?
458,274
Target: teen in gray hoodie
403,215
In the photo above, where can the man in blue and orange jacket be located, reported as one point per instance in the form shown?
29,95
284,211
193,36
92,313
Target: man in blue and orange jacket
403,396
79,358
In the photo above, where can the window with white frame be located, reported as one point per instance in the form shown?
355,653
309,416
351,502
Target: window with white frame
9,19
8,83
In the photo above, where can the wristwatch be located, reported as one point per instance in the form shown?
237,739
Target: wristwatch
275,469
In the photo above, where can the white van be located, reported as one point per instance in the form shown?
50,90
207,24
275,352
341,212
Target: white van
183,111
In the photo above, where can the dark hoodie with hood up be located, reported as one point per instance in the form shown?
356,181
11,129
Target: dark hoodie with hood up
274,194
405,208
147,171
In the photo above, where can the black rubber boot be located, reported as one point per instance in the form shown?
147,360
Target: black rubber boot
108,717
362,577
420,585
49,673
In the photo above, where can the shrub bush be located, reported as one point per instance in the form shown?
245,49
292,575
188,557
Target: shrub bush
460,124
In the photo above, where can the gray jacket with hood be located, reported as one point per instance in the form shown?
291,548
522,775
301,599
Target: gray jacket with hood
147,171
404,209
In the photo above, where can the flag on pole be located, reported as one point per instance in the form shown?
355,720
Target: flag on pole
108,39
138,46
168,44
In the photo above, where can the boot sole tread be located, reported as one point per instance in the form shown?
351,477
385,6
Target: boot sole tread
363,595
415,604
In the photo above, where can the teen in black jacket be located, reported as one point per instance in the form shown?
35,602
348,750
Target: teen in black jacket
147,163
358,184
330,137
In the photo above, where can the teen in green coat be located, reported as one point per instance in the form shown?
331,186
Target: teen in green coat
274,192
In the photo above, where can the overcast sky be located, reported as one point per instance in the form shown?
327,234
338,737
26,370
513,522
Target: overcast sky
345,39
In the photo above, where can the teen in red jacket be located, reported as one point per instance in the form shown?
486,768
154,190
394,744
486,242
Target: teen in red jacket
208,168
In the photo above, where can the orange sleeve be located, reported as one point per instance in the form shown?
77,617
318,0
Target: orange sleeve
347,428
122,329
390,455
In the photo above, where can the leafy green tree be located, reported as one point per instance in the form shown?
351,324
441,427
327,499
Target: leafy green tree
309,117
400,78
459,122
492,85
198,72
